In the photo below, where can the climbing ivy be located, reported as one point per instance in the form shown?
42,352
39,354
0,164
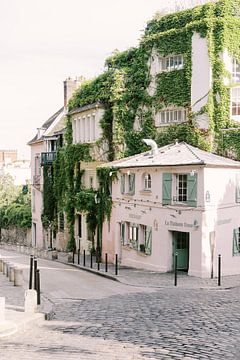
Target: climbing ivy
123,91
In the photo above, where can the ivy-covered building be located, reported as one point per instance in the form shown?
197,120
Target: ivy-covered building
181,82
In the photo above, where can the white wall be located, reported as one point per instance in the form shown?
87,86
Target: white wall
201,77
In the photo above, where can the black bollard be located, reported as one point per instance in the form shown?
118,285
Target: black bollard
31,272
219,270
38,287
106,262
98,261
35,273
73,256
116,264
78,256
175,269
91,260
84,258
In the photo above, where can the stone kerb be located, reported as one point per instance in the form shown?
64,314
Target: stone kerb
11,272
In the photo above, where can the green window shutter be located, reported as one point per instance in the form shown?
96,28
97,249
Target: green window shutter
122,179
236,249
192,190
237,188
148,240
166,188
132,184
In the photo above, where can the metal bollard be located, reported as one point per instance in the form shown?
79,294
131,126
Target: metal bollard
31,272
38,287
1,265
84,258
78,257
18,277
73,256
219,270
91,260
175,269
98,263
35,273
116,264
106,262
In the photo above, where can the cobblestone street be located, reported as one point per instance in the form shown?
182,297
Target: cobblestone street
96,318
167,324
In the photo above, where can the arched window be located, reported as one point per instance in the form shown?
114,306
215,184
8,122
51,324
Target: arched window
147,182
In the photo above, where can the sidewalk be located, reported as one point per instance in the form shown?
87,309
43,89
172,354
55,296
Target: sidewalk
152,279
15,317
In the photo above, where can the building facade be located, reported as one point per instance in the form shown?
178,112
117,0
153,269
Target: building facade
176,200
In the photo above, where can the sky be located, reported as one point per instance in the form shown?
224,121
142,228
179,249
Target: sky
45,41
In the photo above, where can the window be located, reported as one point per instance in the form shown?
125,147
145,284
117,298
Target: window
238,188
179,189
85,128
91,182
133,235
128,184
147,182
170,63
235,71
236,241
236,101
139,237
170,116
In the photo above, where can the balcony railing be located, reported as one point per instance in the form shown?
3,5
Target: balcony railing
48,157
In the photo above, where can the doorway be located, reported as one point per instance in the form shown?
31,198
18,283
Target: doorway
181,247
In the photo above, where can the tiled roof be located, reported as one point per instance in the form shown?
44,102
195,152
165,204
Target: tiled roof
85,108
179,154
46,126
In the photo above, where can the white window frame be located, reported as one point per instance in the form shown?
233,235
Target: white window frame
147,182
171,63
181,189
235,109
171,115
235,71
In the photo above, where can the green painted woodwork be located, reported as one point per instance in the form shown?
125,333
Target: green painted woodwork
166,188
181,248
192,189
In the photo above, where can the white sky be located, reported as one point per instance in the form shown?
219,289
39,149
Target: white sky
45,41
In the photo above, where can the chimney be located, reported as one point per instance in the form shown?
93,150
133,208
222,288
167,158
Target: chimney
69,86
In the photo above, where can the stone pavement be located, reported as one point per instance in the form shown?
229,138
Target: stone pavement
197,320
15,317
153,279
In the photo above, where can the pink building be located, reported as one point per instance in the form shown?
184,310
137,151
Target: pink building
176,199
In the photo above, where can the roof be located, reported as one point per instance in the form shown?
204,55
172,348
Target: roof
45,126
179,154
85,108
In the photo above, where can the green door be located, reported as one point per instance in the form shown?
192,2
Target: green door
181,247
